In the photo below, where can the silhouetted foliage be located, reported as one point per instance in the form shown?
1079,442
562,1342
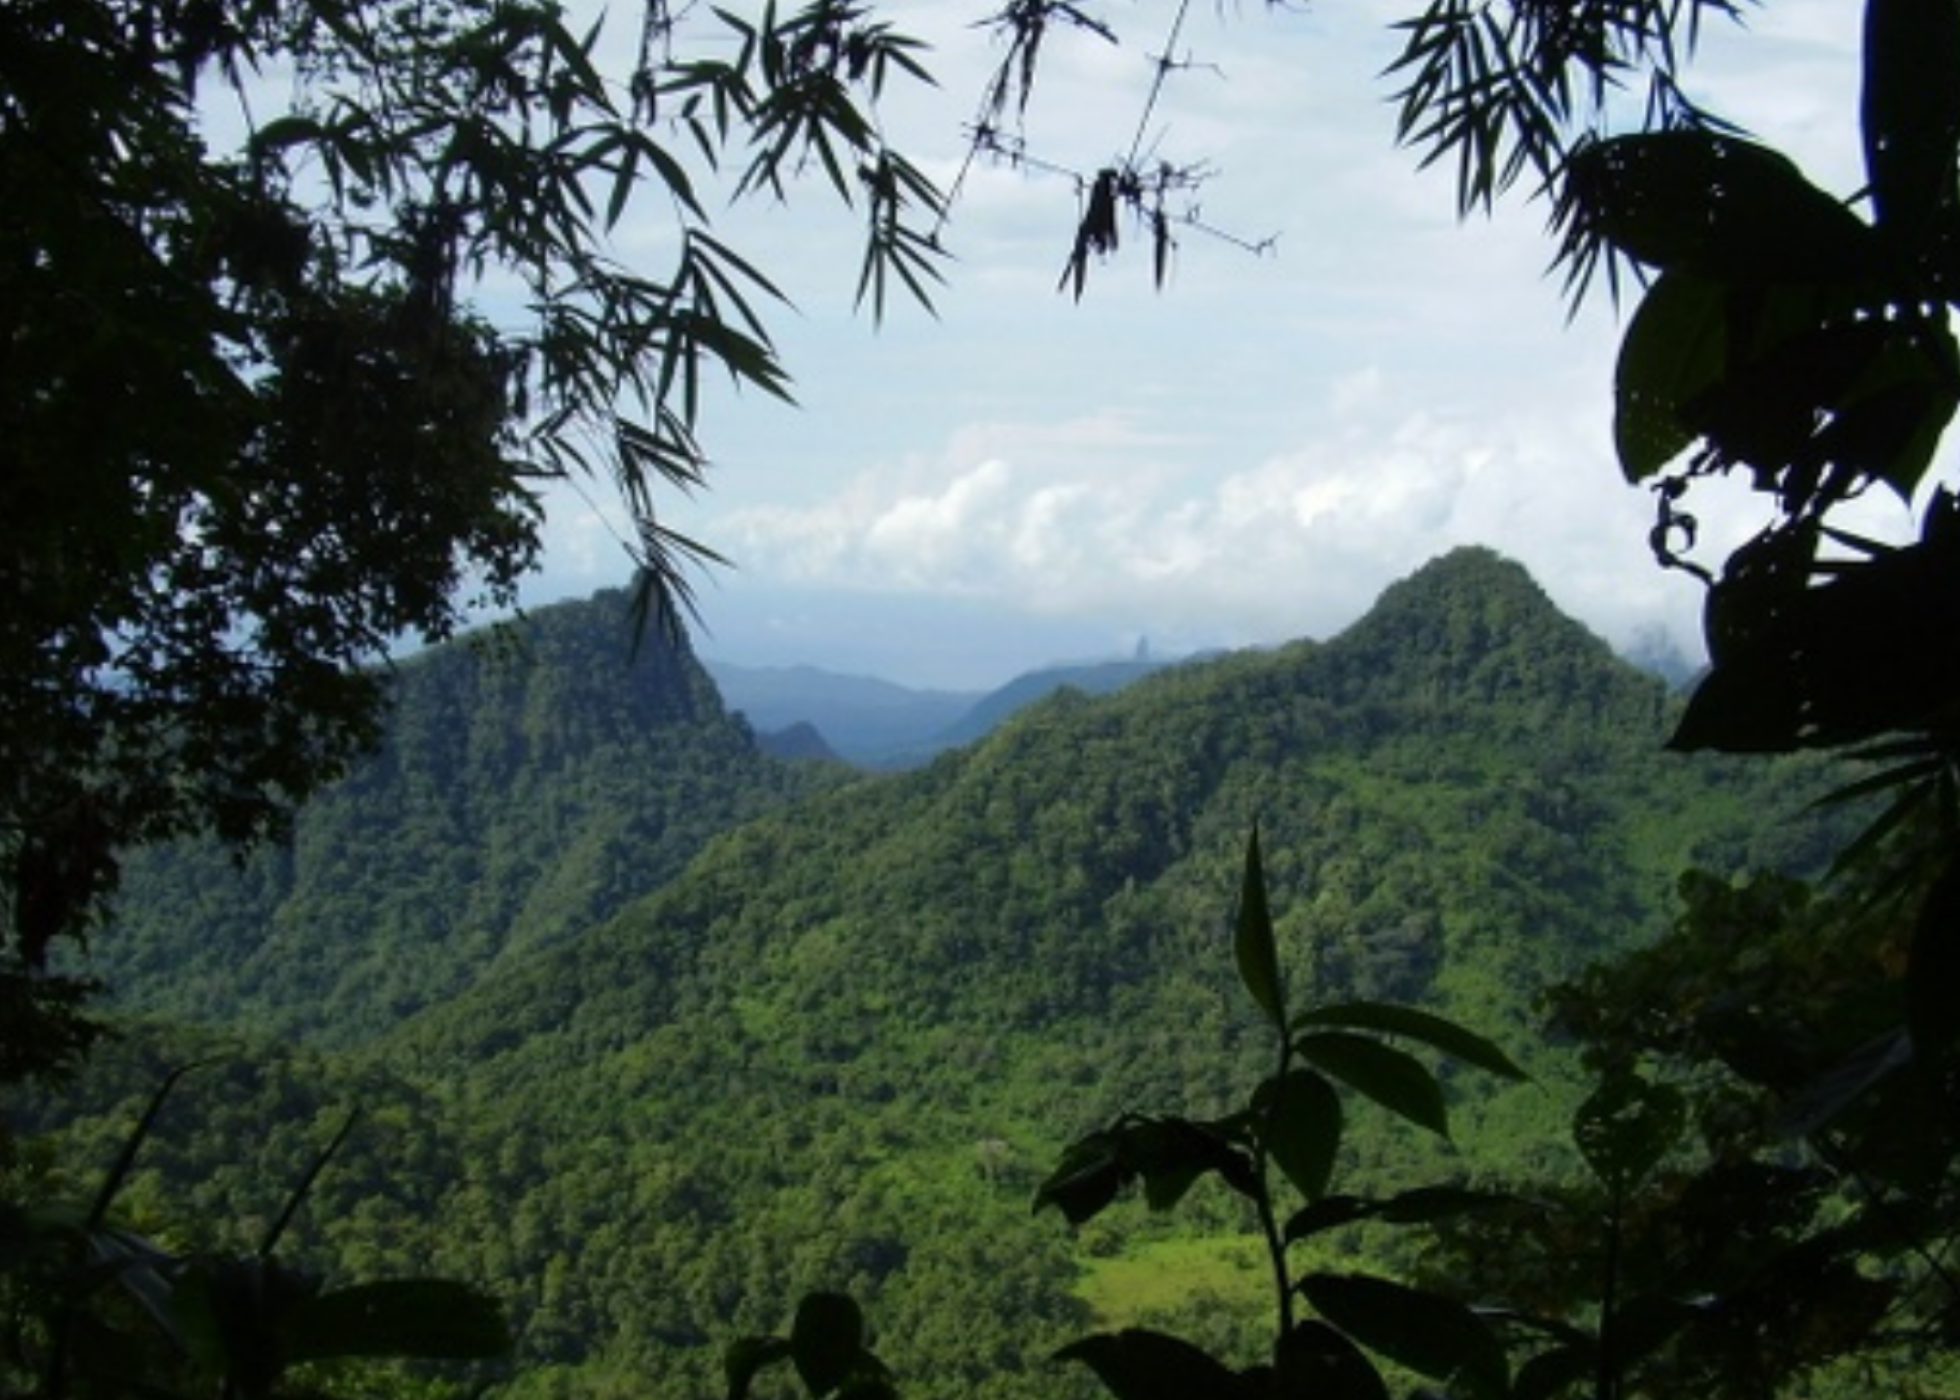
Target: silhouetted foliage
259,426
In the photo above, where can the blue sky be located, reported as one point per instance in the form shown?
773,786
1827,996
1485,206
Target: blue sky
1249,455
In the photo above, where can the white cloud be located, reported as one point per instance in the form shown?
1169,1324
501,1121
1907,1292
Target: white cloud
1255,453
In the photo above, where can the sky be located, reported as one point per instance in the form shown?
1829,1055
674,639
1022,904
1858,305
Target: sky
1246,456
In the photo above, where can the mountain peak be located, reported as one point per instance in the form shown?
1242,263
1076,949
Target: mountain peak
1470,594
1474,625
1469,571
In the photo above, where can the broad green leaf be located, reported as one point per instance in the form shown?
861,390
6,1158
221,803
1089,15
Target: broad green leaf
431,1318
1088,1178
1328,1213
1727,208
1674,348
244,1318
1888,423
1933,971
1432,1335
1424,1204
826,1340
1421,1206
1393,1078
1258,956
1299,1118
1910,113
1172,1153
1627,1126
1749,702
1812,653
1823,403
1312,1361
746,1358
1764,409
1139,1364
1412,1024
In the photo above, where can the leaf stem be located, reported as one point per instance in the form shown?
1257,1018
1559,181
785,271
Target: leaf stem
1263,1200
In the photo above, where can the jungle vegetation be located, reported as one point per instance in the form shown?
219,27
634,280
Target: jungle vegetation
255,431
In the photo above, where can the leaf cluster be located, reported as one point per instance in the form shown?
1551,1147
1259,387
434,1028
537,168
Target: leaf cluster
273,409
1500,90
1294,1123
1806,347
94,1308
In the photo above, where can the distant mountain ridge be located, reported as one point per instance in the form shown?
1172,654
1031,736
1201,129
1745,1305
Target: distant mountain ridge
865,720
881,725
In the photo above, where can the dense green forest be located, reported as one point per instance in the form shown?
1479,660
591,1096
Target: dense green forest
678,1042
652,1035
533,779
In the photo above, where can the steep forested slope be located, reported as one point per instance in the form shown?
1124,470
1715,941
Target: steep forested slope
532,781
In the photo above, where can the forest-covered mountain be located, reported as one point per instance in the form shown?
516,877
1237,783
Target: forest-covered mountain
533,780
847,1023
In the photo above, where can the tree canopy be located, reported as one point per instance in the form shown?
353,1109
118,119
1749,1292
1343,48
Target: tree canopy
275,399
304,302
271,405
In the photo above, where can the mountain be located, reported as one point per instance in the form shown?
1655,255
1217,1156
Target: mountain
534,779
836,1042
801,742
996,707
868,722
877,724
840,1047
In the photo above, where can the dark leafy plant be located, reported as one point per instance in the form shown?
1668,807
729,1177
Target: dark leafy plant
95,1309
826,1347
1332,1329
274,399
1789,338
1772,1168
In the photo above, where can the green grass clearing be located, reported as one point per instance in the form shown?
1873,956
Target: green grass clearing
1155,1276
